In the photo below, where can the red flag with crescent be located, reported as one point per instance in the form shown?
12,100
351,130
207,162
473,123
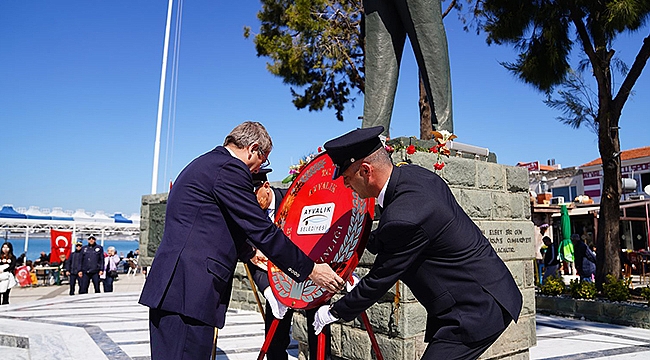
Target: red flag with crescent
23,276
61,244
328,222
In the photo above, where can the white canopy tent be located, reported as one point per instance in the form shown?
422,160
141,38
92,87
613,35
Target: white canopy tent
34,221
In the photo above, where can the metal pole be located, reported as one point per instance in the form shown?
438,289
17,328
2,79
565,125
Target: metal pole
254,288
371,334
26,240
161,99
214,344
647,222
268,339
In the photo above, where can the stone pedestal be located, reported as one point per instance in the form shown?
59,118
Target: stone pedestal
152,224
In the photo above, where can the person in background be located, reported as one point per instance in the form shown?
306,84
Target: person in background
110,269
551,262
128,261
426,240
92,265
60,269
539,254
32,272
20,260
73,267
585,259
269,199
8,265
211,216
43,260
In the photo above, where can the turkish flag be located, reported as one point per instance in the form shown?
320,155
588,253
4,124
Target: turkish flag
23,276
61,244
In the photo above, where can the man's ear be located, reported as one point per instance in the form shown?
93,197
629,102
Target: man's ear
365,169
267,184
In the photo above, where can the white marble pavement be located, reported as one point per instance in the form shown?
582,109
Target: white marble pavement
46,323
109,326
569,339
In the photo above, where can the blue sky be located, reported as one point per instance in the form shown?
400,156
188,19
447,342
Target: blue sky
79,84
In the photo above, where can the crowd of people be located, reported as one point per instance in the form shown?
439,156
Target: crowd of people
584,264
86,264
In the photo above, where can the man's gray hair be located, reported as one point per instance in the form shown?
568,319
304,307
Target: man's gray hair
249,133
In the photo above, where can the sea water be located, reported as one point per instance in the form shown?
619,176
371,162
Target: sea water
36,245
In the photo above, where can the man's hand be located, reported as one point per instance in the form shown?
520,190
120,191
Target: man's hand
260,260
277,308
323,276
322,318
352,282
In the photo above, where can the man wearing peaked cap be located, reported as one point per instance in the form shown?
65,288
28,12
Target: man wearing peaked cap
260,177
92,265
425,239
269,199
353,146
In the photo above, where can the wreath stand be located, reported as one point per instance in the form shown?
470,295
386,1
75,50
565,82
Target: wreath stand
320,354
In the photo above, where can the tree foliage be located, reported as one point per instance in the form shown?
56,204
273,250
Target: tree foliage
316,47
545,33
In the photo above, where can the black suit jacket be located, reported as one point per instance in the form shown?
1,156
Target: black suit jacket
425,239
211,211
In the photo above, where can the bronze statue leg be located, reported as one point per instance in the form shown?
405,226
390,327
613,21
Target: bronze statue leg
385,36
429,40
387,22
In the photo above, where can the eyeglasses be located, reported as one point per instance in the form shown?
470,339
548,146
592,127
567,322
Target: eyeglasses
266,163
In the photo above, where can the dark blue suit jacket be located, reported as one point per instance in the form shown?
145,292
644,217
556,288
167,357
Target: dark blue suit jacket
425,239
211,211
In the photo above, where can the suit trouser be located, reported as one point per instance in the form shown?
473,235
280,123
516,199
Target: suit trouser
84,284
312,338
387,23
452,350
74,278
281,339
177,337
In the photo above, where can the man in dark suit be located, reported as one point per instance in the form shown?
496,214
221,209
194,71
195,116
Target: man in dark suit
434,248
211,212
270,199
